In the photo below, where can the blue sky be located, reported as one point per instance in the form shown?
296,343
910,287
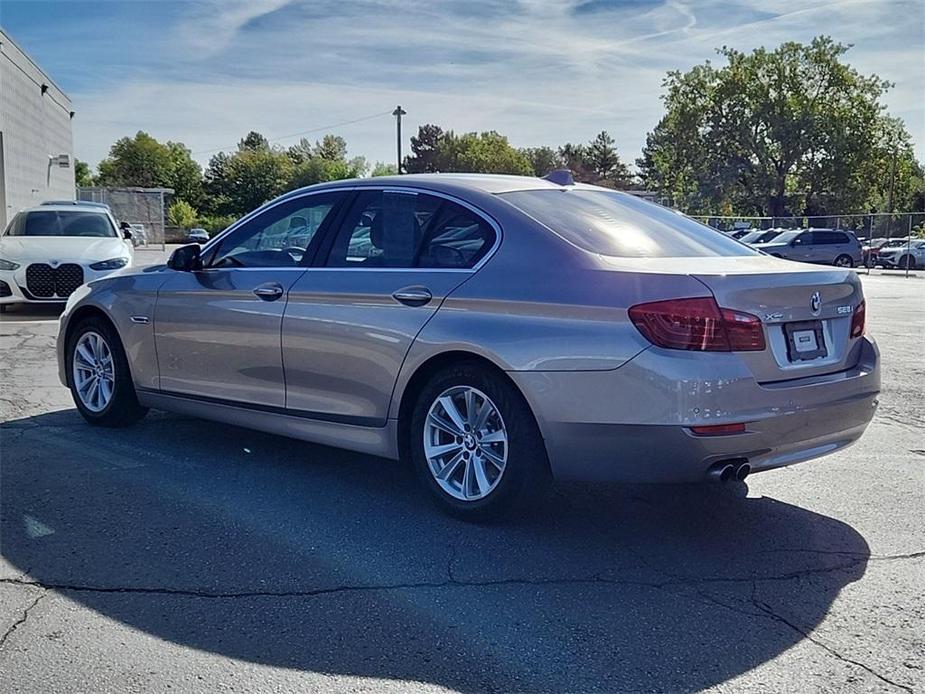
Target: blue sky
205,72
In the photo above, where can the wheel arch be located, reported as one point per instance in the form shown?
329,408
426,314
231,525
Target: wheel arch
422,373
79,315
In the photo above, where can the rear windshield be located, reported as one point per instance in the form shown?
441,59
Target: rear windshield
617,224
69,223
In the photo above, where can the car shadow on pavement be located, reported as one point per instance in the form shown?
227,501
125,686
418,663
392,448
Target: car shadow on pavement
282,553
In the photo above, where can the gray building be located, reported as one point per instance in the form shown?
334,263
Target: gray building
36,146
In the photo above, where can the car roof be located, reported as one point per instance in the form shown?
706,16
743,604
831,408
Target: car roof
458,183
68,208
67,203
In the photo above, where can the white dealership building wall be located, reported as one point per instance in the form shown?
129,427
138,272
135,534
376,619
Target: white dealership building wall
35,131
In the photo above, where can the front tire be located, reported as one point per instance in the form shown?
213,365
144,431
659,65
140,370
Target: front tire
99,375
844,261
906,262
475,443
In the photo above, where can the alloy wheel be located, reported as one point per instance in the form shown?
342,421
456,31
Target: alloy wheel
93,371
465,443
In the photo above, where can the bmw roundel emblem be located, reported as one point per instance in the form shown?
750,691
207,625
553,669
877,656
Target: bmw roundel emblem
54,263
815,303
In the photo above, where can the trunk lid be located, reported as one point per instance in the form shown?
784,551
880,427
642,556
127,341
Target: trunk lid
781,294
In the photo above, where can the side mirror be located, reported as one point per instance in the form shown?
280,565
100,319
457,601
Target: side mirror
186,258
126,234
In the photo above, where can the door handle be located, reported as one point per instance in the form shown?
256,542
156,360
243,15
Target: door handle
413,296
269,292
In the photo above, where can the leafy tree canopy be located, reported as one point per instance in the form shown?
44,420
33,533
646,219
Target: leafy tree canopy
145,162
181,214
783,131
434,149
83,177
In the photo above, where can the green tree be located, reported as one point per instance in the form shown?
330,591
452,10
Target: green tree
605,164
136,161
254,142
575,159
185,174
434,149
332,148
240,182
489,152
145,162
543,159
83,177
426,150
383,169
181,214
779,131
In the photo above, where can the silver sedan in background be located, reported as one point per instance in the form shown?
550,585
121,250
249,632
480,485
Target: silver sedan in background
496,331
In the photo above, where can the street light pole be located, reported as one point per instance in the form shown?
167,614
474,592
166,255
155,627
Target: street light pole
889,232
398,113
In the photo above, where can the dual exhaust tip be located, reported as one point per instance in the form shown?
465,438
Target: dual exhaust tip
729,471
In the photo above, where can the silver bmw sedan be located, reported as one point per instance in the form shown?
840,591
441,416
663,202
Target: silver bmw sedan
495,331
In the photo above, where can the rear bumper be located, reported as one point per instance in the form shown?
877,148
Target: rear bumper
632,424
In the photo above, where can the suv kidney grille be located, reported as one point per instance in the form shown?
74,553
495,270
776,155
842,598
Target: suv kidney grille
44,281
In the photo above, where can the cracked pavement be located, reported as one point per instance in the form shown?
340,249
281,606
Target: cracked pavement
194,556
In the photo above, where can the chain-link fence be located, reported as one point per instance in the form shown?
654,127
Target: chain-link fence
144,208
864,226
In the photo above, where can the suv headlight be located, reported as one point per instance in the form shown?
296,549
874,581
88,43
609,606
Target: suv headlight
8,265
111,264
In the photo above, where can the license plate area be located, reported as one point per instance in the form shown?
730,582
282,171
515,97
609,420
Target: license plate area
805,340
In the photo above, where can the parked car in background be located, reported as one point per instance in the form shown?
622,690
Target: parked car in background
198,235
886,246
402,317
824,246
740,233
761,236
869,249
49,251
908,255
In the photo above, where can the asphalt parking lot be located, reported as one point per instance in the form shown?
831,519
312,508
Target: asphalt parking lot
184,555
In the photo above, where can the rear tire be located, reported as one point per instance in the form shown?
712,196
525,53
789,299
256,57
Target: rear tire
491,465
844,261
103,390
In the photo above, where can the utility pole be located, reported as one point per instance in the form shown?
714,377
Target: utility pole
398,113
889,221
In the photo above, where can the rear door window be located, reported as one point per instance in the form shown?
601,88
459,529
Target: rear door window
618,224
407,229
829,238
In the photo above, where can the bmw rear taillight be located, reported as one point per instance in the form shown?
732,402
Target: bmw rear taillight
698,325
858,320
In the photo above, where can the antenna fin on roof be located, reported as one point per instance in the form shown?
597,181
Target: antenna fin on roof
562,177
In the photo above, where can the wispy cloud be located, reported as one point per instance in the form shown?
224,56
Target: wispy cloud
542,72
